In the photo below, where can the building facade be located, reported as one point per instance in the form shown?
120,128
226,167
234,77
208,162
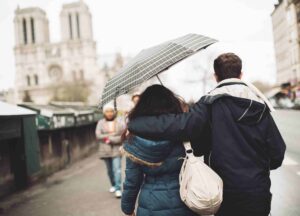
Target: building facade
286,23
43,67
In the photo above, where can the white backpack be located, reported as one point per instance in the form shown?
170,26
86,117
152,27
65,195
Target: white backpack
201,189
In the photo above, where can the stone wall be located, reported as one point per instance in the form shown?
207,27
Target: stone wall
61,147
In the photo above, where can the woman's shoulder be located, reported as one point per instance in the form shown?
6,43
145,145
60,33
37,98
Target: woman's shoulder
150,142
147,152
155,147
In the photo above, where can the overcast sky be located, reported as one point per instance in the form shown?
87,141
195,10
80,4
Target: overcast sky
127,26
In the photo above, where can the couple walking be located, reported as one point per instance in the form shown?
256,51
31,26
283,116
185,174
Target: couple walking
231,126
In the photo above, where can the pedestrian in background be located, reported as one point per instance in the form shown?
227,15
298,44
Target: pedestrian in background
108,132
135,98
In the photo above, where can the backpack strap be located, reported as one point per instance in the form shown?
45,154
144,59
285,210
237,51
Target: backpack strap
187,145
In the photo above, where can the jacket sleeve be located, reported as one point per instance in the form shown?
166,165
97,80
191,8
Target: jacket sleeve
115,138
131,187
171,126
276,145
99,134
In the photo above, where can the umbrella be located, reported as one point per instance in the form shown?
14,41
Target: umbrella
152,61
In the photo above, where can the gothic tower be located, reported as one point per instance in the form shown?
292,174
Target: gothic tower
76,22
42,67
31,27
78,45
31,35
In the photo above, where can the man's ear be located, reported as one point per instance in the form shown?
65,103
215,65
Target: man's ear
241,75
216,77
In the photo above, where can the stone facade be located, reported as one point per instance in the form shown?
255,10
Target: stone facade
286,22
42,67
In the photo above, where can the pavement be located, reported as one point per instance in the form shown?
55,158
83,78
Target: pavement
82,189
286,180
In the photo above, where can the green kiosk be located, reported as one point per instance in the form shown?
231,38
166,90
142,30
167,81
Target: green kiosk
19,147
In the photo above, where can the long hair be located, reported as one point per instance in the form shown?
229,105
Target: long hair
156,100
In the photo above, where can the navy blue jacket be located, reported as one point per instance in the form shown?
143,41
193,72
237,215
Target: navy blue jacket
237,135
158,186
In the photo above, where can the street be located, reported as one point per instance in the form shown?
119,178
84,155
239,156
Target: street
286,180
82,189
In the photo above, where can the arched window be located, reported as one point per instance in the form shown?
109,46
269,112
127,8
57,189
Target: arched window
74,75
36,79
24,30
81,75
32,30
28,80
70,26
78,25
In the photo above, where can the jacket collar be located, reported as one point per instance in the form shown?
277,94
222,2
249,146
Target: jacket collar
146,152
237,88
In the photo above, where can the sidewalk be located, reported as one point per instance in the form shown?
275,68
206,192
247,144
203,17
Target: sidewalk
80,190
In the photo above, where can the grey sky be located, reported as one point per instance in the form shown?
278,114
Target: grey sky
242,26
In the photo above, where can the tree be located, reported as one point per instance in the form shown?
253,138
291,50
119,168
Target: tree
70,91
263,86
26,97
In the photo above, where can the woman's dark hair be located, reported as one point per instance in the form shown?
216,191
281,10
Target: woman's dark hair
156,100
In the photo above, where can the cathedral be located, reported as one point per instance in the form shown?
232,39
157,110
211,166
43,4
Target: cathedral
44,70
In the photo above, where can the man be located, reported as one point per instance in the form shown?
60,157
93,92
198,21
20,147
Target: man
232,126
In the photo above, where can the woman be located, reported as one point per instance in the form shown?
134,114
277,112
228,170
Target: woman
153,170
108,132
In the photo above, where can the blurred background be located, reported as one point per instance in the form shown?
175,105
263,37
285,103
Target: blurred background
57,55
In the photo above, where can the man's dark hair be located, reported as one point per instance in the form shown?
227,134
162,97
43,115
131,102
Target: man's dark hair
228,65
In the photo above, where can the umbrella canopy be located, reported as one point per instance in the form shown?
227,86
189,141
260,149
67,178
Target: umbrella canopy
152,61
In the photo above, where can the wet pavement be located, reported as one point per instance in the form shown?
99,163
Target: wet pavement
286,180
82,190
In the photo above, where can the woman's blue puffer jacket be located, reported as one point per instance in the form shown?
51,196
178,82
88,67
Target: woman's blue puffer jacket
158,186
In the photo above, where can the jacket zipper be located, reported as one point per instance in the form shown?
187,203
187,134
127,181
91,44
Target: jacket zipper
209,158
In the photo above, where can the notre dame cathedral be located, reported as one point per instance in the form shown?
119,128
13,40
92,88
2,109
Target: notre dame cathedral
42,67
